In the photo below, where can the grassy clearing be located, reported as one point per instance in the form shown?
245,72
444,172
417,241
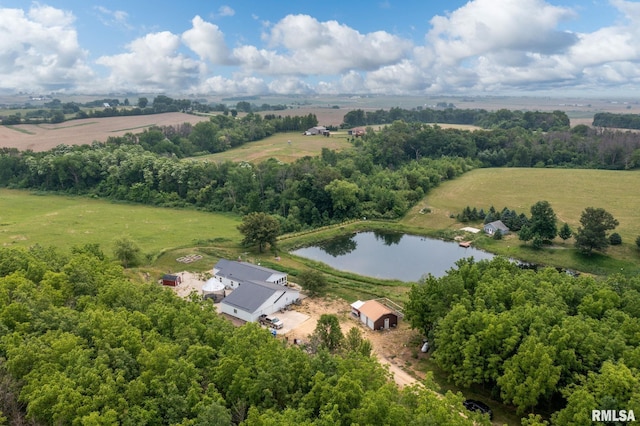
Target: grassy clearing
285,147
568,191
52,220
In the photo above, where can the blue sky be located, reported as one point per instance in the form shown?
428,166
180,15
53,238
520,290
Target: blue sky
395,47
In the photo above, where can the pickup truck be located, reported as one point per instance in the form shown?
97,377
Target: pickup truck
272,322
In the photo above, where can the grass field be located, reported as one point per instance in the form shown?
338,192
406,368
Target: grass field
568,191
52,220
285,147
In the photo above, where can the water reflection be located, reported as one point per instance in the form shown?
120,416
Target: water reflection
390,255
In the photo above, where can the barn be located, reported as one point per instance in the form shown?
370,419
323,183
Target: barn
171,280
374,314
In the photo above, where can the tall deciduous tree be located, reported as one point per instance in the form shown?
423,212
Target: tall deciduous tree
312,281
327,334
543,221
127,252
259,228
592,235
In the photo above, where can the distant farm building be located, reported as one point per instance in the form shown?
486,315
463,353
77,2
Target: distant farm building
171,280
358,132
374,314
318,130
491,228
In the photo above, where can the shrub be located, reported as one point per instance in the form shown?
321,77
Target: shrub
615,239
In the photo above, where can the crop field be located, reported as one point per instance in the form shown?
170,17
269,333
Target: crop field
285,147
53,220
42,137
568,191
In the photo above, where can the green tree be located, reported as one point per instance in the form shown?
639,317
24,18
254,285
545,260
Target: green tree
354,342
565,232
592,235
543,221
127,252
615,239
313,281
328,334
143,102
259,228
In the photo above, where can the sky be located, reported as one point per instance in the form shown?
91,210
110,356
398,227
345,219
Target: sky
308,47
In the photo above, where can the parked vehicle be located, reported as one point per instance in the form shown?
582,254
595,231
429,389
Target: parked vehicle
473,405
425,347
272,322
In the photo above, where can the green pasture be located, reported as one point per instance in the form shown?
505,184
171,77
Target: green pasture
285,147
569,191
27,219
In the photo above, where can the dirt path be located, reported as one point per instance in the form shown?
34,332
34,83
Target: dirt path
389,346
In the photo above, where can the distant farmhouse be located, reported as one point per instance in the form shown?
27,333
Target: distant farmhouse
318,130
492,227
256,290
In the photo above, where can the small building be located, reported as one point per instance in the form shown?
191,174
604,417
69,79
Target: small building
213,289
231,273
374,314
253,298
317,130
171,280
491,228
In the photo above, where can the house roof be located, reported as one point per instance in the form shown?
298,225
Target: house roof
497,224
373,309
251,295
242,271
357,304
169,277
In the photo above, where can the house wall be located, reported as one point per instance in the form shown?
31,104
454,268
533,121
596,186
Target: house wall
277,302
228,283
236,312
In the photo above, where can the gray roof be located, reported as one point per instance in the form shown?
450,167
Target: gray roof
250,295
497,224
242,271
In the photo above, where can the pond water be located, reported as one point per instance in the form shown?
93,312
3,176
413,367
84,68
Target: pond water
390,255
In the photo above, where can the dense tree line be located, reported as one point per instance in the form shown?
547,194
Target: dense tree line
622,121
580,147
501,119
81,344
309,192
537,339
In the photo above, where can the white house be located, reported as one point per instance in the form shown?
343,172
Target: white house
252,299
492,227
230,273
256,290
318,130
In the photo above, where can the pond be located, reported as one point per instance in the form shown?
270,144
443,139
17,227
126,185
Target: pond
390,255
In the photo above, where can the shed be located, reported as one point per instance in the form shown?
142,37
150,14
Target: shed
317,130
171,280
497,225
377,316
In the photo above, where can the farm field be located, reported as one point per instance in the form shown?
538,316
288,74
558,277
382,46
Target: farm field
62,221
278,147
569,191
43,137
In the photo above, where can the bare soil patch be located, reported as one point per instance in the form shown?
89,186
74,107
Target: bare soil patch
43,137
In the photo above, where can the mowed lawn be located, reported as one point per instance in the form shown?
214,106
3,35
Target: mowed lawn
568,191
62,221
285,147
